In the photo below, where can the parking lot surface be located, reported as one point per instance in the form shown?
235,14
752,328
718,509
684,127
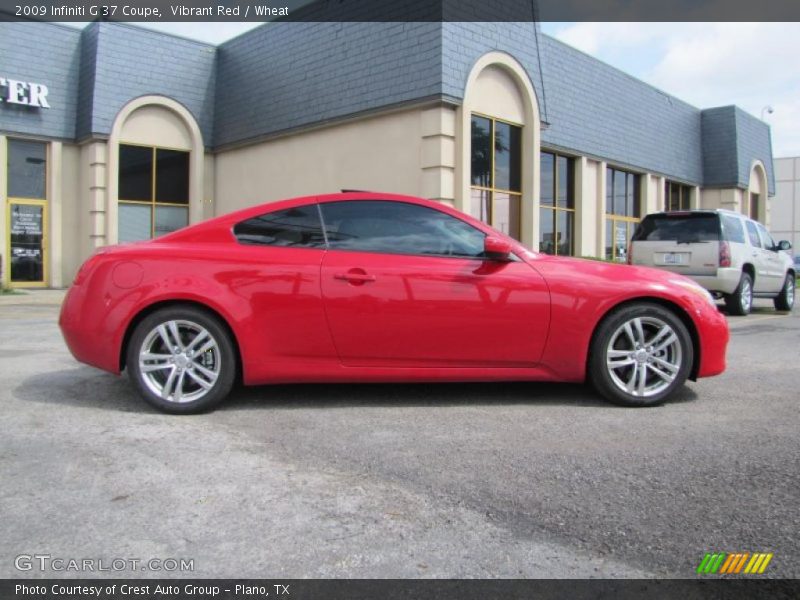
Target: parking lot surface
467,480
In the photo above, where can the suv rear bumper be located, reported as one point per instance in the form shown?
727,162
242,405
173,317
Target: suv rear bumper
725,281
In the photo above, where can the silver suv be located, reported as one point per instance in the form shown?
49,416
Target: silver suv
733,257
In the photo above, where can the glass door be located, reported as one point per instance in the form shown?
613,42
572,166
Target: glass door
26,214
27,220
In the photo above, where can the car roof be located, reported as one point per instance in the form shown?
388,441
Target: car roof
219,228
696,211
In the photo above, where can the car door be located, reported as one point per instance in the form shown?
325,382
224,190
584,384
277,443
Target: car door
759,257
278,267
775,269
405,285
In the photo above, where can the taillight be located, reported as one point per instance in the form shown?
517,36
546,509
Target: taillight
724,254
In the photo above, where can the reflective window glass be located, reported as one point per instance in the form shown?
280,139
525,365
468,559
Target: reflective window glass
296,227
135,222
135,173
481,151
172,176
398,228
27,168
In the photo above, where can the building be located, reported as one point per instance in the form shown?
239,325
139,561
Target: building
117,133
785,209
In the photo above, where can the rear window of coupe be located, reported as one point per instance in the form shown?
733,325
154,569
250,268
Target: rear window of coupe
298,227
684,228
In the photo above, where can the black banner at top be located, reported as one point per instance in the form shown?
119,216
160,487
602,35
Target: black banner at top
155,11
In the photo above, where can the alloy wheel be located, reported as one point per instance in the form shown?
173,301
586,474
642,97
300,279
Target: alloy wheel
746,297
644,356
179,361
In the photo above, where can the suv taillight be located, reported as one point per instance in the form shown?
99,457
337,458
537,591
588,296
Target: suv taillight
724,254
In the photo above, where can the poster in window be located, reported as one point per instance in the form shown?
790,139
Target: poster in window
27,236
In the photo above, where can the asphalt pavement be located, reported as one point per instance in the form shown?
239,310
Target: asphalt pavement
447,480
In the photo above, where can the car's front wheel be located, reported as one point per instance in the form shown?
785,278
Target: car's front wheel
181,360
640,354
785,300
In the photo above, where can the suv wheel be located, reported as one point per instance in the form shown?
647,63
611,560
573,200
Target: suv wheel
740,302
785,300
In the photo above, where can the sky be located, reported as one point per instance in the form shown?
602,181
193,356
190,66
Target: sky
752,65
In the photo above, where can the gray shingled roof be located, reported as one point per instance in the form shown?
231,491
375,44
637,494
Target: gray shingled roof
284,76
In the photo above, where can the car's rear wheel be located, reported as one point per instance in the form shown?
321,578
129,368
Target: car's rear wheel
785,300
640,354
740,302
181,360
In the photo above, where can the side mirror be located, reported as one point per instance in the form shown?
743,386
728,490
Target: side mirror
496,248
784,245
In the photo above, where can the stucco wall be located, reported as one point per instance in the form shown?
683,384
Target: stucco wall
380,154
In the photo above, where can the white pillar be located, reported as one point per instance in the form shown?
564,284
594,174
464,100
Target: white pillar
55,226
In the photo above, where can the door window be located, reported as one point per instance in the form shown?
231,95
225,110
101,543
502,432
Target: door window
27,213
766,238
752,233
27,166
398,228
27,243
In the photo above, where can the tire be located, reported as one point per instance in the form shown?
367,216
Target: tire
624,365
785,300
740,302
190,376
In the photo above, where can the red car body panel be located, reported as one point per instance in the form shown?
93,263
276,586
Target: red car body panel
309,315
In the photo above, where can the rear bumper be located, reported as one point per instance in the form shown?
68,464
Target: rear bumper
725,281
84,337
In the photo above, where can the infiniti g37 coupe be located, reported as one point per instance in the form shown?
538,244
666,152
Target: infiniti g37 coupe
364,287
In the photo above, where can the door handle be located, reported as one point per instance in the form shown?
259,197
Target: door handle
355,277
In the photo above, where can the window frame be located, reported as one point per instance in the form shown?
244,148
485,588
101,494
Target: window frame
153,203
43,203
491,190
554,207
684,193
630,220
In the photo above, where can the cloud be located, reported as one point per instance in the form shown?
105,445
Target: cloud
751,65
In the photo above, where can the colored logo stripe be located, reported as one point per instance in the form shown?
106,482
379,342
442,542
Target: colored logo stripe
733,563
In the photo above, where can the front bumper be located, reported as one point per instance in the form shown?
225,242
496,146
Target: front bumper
713,337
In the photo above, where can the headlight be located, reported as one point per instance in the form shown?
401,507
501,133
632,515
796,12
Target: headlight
690,285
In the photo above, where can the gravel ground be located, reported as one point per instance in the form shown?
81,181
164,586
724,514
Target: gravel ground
515,480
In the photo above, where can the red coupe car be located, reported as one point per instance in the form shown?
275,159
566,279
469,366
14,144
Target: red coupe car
366,287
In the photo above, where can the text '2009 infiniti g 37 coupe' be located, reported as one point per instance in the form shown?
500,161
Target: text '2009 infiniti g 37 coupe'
365,287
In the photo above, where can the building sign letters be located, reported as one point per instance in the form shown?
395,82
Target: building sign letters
23,93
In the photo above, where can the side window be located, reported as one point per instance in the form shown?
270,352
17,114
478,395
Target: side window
297,227
398,228
732,229
766,238
752,233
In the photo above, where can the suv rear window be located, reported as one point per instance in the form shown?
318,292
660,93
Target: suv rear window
683,228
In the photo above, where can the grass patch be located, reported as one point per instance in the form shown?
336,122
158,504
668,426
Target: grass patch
7,291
